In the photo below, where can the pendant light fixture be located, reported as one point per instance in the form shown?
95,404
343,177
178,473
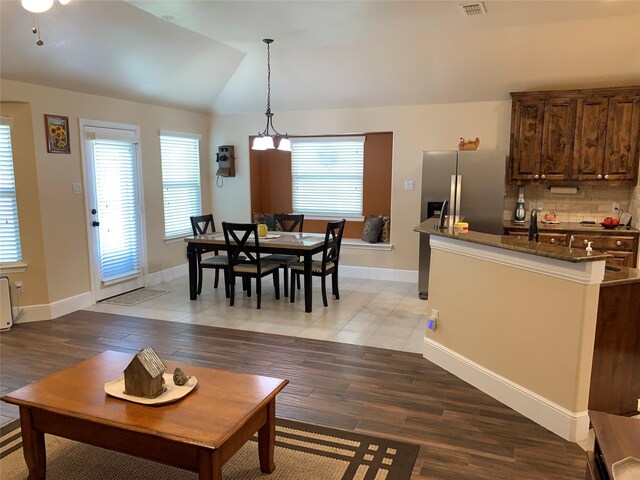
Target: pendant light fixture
264,140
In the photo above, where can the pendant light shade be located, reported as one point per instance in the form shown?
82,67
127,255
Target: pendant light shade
37,6
264,140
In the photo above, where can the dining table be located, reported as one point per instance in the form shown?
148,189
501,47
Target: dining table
305,245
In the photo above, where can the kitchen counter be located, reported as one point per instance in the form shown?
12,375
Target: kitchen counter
621,276
572,226
516,244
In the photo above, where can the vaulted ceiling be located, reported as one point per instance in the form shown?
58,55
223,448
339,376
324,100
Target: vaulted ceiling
209,55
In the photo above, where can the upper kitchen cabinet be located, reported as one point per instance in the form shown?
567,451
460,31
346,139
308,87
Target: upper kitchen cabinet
575,137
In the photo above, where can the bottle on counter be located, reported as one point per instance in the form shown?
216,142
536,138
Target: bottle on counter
519,213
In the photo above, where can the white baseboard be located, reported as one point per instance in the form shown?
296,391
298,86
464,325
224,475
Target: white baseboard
572,426
36,313
371,273
156,278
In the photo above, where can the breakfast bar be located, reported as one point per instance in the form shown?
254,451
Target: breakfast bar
517,319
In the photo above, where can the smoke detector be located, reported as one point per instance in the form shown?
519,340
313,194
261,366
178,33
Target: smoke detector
475,8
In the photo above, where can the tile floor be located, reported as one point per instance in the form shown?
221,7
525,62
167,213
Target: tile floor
370,312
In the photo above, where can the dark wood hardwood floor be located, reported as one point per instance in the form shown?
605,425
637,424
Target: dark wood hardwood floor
463,433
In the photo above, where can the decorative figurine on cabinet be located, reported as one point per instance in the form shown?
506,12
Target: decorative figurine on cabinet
468,144
143,376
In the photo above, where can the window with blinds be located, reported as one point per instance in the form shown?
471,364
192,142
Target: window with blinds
117,200
327,174
180,154
10,250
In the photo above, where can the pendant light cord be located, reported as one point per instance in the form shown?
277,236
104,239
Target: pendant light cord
268,78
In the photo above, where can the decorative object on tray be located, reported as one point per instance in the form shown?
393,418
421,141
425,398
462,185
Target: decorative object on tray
610,223
143,376
468,144
179,378
172,391
269,236
550,217
57,133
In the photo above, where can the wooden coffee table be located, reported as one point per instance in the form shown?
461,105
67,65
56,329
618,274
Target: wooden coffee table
199,432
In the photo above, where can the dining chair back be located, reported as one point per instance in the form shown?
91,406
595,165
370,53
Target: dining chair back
287,222
203,225
327,266
243,250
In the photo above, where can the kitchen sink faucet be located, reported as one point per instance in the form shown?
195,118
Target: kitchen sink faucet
533,226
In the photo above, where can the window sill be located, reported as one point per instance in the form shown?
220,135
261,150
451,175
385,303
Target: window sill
337,216
12,267
356,243
177,239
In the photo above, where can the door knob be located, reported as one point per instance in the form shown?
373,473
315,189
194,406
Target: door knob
95,224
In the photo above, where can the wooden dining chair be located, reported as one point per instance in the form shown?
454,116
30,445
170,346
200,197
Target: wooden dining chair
327,266
287,223
203,225
247,264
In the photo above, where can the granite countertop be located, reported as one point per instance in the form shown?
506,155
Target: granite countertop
515,243
620,277
572,226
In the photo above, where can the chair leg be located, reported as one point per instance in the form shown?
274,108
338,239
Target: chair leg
232,288
298,282
286,280
249,286
215,280
258,290
226,283
324,291
334,284
292,290
276,283
199,279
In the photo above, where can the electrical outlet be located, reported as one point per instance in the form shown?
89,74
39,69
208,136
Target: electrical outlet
432,321
19,287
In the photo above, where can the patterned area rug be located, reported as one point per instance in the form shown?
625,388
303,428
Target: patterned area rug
303,451
135,297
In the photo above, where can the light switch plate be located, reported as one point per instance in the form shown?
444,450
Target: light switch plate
409,185
77,188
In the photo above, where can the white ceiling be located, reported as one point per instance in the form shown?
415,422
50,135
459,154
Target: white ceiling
208,55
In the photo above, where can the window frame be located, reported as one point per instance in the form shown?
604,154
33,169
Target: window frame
170,237
17,265
332,140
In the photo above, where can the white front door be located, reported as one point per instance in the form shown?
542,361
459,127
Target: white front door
112,179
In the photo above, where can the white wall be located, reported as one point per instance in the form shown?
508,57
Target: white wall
415,129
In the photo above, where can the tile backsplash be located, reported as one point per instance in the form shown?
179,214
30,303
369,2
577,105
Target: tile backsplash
589,203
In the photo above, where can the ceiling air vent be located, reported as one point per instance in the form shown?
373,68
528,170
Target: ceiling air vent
471,9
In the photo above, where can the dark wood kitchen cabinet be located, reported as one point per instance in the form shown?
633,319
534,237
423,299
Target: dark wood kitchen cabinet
575,137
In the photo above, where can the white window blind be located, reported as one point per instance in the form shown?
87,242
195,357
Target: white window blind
10,250
180,182
116,196
327,175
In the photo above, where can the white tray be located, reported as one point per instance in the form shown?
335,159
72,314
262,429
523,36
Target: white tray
626,469
173,392
270,236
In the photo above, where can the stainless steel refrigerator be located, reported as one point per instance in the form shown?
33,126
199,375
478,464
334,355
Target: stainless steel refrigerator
472,183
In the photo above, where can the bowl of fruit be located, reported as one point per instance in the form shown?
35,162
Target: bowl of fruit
610,223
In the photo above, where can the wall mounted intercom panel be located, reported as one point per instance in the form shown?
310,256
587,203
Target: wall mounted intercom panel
226,161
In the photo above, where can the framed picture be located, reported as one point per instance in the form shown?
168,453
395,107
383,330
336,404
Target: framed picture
57,133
